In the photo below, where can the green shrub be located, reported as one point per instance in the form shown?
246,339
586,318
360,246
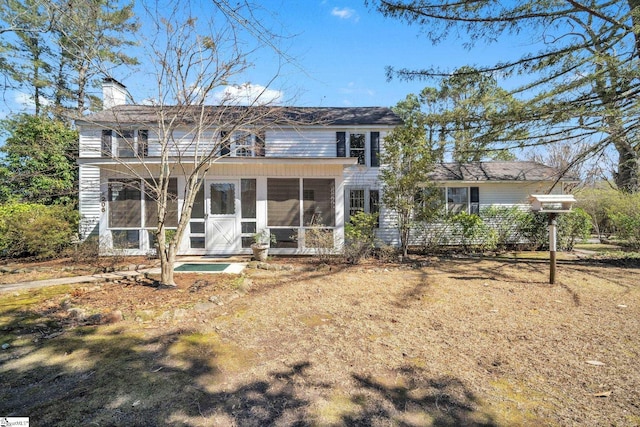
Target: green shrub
573,226
29,229
624,215
473,232
599,203
360,236
507,223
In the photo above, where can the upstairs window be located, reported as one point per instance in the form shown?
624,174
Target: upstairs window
125,143
363,146
357,147
242,144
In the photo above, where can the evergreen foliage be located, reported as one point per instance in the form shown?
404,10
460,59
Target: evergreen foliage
581,80
38,165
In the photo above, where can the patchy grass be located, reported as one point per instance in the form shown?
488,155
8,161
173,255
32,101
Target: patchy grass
459,341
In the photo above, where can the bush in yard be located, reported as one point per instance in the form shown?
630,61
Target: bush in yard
625,218
473,232
573,226
321,239
359,236
533,227
599,203
505,222
30,229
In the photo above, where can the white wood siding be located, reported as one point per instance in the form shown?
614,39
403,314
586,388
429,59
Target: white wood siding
298,143
90,142
89,200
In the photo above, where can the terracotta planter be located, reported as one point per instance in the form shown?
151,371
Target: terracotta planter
260,252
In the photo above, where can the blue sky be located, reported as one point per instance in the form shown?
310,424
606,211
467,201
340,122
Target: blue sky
341,49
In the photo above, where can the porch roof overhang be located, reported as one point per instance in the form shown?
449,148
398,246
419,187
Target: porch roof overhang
190,160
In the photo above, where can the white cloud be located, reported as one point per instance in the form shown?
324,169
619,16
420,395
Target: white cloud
345,13
248,94
25,101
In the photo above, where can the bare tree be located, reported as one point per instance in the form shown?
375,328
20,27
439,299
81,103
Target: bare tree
189,135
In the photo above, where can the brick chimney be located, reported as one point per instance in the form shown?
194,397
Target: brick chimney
113,93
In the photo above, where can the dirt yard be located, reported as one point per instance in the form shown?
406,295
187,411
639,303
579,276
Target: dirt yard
439,342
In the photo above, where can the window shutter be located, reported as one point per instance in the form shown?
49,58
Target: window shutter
341,144
106,147
225,150
474,199
259,150
375,149
143,143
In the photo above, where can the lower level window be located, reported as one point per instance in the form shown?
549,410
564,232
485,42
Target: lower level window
463,199
285,237
363,200
125,239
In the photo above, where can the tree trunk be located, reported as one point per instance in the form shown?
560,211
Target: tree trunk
166,271
628,168
167,252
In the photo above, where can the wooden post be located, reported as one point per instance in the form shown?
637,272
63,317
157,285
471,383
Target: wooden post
552,248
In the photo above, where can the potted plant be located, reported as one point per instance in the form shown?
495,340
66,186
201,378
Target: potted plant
261,243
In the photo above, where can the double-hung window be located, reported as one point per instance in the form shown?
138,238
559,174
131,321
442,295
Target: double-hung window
362,200
463,199
125,143
363,146
242,144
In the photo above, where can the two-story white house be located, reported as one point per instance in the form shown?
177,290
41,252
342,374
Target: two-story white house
303,168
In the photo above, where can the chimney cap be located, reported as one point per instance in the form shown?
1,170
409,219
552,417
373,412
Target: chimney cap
112,80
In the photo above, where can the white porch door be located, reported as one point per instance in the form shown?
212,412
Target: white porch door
223,219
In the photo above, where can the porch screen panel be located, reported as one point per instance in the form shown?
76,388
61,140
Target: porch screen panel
319,202
248,198
124,204
198,204
151,204
283,202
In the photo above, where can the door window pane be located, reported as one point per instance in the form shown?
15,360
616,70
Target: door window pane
223,196
283,202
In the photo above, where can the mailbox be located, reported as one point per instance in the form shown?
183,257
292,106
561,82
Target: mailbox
552,203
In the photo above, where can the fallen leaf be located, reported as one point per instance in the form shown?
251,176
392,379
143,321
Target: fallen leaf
603,394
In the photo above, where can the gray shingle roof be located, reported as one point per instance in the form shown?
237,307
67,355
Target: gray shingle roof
336,116
497,171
